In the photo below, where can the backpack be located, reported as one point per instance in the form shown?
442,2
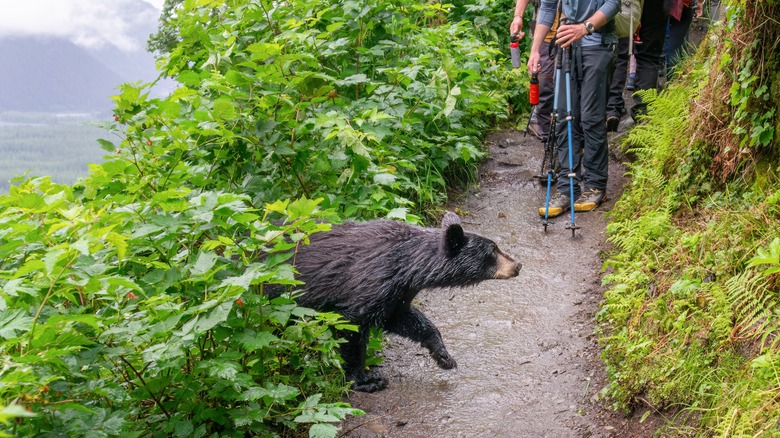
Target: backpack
630,13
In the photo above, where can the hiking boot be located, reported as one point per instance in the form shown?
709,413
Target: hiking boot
559,204
613,122
590,199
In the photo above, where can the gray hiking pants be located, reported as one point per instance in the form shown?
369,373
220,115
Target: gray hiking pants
591,74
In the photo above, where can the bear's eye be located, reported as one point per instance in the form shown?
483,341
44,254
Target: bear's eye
493,257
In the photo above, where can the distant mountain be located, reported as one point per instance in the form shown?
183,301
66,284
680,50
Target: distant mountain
50,74
53,74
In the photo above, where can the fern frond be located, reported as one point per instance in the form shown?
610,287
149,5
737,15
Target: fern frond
753,303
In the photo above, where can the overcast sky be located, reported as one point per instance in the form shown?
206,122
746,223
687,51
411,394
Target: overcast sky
88,23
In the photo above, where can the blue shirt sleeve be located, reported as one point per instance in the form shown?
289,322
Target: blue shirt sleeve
547,11
610,8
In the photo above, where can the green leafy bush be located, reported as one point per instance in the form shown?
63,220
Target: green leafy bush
150,316
133,302
355,102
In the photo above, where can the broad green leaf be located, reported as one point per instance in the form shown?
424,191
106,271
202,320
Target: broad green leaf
224,110
52,258
119,242
281,392
29,266
106,145
216,316
252,341
302,207
398,213
205,261
384,178
122,282
88,319
13,322
354,79
323,430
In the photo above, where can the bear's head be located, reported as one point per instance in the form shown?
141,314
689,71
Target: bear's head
474,258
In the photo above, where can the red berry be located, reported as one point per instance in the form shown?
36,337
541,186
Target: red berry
239,302
119,151
149,142
116,118
131,296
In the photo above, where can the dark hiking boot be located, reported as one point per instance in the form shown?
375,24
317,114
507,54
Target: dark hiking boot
590,199
613,122
559,204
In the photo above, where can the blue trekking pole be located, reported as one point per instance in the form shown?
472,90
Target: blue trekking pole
572,174
551,146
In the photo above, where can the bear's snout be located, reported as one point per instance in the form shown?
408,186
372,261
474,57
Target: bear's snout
507,267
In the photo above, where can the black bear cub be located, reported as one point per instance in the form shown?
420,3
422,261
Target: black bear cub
370,271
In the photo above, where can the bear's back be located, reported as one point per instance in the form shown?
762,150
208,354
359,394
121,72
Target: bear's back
359,268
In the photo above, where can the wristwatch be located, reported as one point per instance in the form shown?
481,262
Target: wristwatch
589,27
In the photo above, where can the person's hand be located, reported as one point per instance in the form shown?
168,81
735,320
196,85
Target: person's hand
533,62
699,9
569,34
517,27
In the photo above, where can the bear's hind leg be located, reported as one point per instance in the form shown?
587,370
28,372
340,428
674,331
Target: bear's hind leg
354,354
412,324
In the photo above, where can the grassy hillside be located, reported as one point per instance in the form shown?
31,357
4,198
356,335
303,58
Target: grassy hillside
689,325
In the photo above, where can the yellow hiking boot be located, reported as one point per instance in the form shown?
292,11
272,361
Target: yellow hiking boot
589,199
559,204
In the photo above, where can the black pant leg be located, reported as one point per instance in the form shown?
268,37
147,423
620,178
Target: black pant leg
616,106
652,34
544,108
678,31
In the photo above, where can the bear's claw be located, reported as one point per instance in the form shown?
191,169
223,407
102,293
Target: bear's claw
370,384
445,361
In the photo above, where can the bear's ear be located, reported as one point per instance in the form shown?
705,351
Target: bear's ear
454,239
449,219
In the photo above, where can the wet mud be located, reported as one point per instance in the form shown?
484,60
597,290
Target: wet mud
528,361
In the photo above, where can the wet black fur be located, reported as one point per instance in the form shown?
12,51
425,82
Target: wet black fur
369,272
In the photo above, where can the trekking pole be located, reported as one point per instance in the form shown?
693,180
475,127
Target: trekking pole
551,145
567,61
631,32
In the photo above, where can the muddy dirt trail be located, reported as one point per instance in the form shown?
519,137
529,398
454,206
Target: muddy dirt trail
528,362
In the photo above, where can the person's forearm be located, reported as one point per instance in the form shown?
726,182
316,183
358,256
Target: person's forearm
539,34
520,7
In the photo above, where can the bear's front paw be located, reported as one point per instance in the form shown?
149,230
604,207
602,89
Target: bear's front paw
445,361
370,384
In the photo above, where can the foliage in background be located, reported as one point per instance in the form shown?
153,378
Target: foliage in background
491,20
378,104
691,317
132,302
